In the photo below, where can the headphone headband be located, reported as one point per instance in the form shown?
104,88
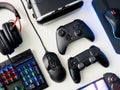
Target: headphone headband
10,7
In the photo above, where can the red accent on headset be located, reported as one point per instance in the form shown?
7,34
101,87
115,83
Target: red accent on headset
14,23
17,18
7,3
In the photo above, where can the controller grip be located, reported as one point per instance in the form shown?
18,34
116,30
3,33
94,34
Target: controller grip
88,33
102,59
62,46
75,75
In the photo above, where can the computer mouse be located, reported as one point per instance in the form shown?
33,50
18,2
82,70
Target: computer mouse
54,67
113,17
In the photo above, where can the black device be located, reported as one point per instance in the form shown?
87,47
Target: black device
54,67
113,17
22,73
46,10
101,6
50,59
84,59
10,37
71,32
109,81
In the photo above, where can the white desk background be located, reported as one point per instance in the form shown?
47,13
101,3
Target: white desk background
48,34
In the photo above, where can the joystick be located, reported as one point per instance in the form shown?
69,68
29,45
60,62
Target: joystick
112,81
71,32
84,59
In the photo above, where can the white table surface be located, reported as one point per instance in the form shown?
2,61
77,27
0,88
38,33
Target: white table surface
48,34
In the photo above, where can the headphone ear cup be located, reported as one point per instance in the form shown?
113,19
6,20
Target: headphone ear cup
5,47
16,35
12,33
7,28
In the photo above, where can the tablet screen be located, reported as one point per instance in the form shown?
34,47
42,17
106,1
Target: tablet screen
46,6
96,85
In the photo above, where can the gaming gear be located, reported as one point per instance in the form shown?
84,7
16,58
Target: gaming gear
50,59
109,81
101,6
113,17
84,59
71,32
112,80
10,37
54,67
46,10
22,73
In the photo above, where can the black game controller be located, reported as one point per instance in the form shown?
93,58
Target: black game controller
112,81
84,59
71,32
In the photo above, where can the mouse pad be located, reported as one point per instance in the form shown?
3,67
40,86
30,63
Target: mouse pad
100,7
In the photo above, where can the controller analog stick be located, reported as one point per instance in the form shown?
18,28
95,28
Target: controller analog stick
81,66
112,79
77,32
61,33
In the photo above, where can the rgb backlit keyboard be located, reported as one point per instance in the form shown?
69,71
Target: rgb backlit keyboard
23,73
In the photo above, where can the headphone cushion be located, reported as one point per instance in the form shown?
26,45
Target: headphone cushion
17,36
5,46
12,33
6,29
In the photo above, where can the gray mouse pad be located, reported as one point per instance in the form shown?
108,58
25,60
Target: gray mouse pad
100,7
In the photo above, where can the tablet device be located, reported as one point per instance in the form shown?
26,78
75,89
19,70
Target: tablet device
46,10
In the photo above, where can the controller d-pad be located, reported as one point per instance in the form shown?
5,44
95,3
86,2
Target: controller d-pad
68,37
74,64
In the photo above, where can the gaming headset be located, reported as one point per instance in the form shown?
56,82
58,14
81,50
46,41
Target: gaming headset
10,37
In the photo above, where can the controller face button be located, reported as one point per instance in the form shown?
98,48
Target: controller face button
68,37
61,33
74,64
73,37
